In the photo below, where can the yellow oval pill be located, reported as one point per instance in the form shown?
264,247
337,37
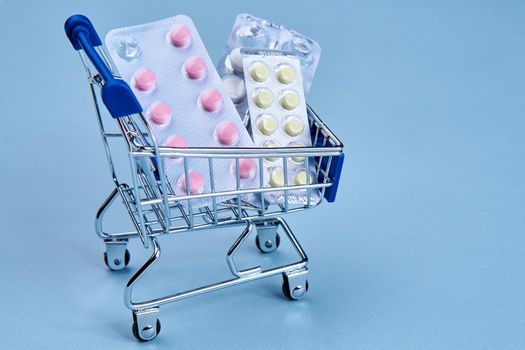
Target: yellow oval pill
297,144
286,75
267,124
293,126
276,178
289,100
271,144
263,98
301,178
298,159
259,72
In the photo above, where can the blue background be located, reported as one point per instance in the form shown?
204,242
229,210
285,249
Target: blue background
424,249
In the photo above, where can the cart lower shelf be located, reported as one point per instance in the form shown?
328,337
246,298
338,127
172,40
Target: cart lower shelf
267,231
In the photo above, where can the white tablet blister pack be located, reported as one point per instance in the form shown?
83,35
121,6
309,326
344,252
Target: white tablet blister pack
278,118
251,32
172,75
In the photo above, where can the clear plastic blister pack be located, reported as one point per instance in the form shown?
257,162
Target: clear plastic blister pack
278,118
173,77
251,32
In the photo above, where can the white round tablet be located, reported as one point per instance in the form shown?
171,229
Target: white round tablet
236,60
235,88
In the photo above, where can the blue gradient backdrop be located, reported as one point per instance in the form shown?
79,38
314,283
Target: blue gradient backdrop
424,249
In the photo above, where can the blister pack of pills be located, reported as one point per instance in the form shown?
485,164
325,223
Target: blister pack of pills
278,117
173,77
252,32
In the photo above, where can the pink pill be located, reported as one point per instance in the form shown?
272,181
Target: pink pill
195,68
144,79
196,183
211,100
176,141
160,113
179,36
227,133
246,168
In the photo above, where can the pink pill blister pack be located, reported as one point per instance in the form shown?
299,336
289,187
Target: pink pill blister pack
172,75
278,116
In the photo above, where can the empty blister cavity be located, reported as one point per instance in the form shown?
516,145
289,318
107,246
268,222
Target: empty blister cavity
251,33
175,69
302,47
128,49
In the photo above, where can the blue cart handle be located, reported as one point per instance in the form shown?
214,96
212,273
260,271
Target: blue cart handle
116,93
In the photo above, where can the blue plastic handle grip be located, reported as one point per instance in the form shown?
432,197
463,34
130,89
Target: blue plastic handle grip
116,93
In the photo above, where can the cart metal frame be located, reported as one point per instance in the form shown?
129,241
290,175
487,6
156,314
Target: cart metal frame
155,210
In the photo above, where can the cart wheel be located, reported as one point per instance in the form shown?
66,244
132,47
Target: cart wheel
298,291
269,246
118,262
135,329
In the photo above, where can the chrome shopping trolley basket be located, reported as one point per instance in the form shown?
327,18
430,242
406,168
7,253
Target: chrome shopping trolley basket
156,210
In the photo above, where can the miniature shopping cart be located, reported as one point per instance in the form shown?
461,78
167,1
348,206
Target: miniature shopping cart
154,207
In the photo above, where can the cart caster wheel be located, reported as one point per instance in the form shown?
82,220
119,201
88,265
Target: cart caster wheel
297,292
269,245
117,263
147,333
